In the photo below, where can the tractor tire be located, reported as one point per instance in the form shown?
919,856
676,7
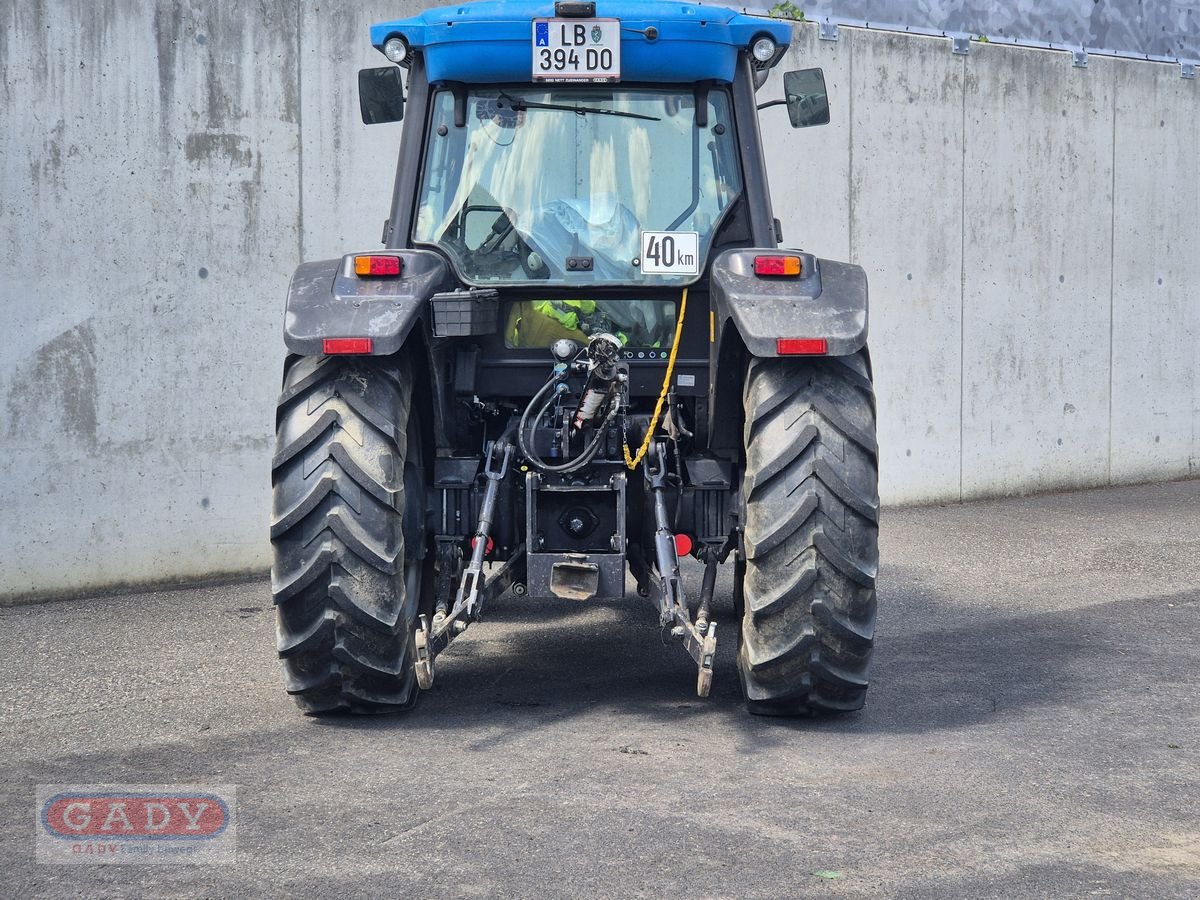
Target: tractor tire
811,535
348,561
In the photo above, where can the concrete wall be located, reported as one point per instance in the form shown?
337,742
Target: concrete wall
1029,228
151,214
1135,27
1031,234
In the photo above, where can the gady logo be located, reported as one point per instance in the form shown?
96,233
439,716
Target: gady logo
135,816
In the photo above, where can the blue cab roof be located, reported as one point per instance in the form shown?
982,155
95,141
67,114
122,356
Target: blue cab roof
491,41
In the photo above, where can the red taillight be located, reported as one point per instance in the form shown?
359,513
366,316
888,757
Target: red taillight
789,266
683,545
377,265
348,346
802,346
488,548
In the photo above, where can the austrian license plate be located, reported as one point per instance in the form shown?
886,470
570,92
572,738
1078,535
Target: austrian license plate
577,50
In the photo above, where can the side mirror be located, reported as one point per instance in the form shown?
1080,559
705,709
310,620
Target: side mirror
381,95
807,98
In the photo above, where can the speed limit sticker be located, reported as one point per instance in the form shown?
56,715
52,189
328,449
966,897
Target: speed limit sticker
670,253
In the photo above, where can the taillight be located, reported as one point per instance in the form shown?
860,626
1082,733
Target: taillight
802,346
348,346
683,545
377,265
788,266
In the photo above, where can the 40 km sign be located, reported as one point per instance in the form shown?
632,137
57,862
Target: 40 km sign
670,253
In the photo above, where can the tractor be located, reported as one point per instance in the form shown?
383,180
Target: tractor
580,355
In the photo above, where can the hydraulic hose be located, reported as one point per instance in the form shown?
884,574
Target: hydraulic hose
521,443
589,452
632,462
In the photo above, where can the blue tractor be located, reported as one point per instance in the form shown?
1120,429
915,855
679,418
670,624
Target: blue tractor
580,355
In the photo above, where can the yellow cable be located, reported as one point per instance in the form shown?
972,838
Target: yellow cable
632,462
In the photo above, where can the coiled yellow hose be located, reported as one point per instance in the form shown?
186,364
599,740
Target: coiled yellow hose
632,462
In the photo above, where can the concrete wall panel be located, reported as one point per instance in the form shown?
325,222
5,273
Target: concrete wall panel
1156,317
146,235
1038,289
903,114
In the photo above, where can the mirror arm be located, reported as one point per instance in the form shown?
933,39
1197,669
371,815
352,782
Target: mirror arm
460,105
701,105
771,103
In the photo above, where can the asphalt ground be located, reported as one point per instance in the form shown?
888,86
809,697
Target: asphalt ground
1032,730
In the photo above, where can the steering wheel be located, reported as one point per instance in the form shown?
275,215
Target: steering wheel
501,229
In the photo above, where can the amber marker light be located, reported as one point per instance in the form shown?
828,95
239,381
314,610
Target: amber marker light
377,266
787,266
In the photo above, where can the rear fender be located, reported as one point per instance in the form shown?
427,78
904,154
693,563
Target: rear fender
827,301
327,300
751,313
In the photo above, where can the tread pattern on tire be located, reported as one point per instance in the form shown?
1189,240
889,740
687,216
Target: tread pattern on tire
811,503
344,617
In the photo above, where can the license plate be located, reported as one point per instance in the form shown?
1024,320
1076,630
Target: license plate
577,50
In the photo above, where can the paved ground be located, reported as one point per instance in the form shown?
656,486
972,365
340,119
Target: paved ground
1033,730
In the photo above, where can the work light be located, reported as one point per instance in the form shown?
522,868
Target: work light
764,49
396,49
